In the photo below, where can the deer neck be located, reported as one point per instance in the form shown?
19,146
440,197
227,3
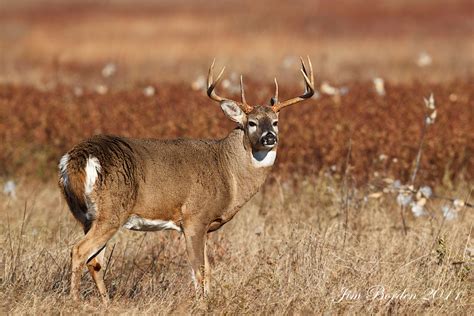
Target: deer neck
247,168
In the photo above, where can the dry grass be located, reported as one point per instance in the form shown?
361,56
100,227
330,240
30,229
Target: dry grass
287,251
312,232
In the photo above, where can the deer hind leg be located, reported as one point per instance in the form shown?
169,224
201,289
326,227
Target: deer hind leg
90,250
96,269
196,248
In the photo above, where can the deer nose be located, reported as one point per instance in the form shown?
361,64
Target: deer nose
268,139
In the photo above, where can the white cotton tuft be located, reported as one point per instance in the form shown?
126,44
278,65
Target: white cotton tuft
448,212
417,209
426,191
404,199
10,189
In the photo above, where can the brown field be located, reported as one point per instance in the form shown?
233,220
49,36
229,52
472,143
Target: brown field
319,226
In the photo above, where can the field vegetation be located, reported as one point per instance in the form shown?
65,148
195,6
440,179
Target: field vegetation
368,208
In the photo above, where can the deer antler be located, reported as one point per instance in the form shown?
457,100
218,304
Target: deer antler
274,100
308,91
211,84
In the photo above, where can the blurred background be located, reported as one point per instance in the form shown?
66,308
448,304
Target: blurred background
70,69
374,176
176,40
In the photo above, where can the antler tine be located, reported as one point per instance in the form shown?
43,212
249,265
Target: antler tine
209,73
303,68
274,100
311,72
242,93
308,91
309,83
211,85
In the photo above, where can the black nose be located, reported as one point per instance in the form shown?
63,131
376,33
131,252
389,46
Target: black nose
268,139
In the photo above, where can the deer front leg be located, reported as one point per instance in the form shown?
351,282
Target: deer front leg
196,250
207,271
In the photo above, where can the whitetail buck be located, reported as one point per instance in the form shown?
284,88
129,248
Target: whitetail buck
192,186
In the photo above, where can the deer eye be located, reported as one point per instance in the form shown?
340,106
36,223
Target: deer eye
252,124
275,123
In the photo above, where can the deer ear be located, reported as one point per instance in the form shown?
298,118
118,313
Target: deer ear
233,111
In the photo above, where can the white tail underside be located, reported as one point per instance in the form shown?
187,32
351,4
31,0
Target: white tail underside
63,169
92,171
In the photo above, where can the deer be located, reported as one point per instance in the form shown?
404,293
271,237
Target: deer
193,186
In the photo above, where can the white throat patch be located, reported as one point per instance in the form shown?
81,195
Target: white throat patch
261,159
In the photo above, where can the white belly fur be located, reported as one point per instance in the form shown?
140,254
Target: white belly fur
135,222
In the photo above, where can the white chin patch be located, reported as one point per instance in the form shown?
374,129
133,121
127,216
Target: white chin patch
261,159
135,222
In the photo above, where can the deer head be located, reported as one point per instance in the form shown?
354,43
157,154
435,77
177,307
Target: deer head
259,122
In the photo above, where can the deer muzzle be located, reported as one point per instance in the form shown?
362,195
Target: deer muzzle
268,139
